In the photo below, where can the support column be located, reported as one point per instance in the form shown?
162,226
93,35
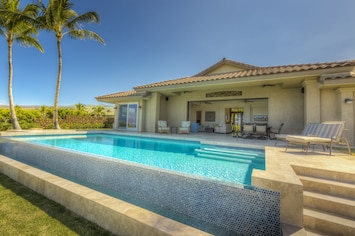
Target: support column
152,112
346,112
312,112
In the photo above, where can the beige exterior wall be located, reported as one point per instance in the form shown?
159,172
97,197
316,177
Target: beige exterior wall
290,106
311,102
281,105
318,101
151,112
346,112
224,69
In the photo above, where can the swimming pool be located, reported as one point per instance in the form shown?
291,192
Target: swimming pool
211,204
233,165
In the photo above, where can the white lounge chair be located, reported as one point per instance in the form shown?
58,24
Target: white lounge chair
326,134
185,127
308,130
163,127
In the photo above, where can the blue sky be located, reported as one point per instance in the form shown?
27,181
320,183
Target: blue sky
156,40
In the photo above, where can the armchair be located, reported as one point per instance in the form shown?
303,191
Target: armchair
185,127
163,126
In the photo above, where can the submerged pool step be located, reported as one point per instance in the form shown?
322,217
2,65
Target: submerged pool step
249,161
257,165
232,151
230,155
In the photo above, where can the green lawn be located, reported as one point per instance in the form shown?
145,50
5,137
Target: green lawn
25,212
345,150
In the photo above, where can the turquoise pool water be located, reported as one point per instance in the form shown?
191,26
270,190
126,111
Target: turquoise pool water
227,164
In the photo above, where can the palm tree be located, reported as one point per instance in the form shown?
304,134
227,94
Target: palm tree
80,108
98,111
17,25
60,18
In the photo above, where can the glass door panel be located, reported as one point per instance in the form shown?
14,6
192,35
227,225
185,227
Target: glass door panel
122,116
127,117
132,116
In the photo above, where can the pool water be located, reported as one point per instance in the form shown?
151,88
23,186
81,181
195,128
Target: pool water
227,164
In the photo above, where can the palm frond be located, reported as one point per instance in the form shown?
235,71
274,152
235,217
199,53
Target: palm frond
85,34
29,41
89,17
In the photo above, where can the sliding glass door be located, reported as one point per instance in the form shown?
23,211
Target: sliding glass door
128,116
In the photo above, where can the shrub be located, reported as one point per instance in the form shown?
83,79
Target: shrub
42,118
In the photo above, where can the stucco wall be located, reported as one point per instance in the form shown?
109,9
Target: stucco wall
281,105
329,105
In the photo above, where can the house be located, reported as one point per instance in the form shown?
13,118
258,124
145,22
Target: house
289,94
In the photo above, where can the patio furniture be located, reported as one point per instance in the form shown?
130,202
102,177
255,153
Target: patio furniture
272,134
261,131
248,130
325,134
309,129
223,128
194,127
163,126
185,127
209,129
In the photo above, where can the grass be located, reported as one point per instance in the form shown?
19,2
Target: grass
345,150
25,212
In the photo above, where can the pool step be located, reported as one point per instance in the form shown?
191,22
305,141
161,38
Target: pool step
228,151
229,156
329,201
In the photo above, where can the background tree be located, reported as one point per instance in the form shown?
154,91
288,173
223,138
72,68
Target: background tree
98,111
16,25
60,18
80,109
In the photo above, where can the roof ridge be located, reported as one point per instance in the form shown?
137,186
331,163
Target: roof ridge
225,61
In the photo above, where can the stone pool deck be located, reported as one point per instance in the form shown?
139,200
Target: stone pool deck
285,173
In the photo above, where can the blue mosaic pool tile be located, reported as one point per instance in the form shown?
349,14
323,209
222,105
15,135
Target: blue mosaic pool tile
237,209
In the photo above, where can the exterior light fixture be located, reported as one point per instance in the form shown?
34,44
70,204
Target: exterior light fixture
348,101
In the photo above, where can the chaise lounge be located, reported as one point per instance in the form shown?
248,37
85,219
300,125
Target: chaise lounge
326,134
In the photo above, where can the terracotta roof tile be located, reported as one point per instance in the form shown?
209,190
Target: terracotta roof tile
257,71
129,93
247,72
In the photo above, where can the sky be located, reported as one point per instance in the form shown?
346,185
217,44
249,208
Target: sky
157,40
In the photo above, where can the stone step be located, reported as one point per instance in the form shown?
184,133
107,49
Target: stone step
332,204
310,232
327,223
345,177
330,187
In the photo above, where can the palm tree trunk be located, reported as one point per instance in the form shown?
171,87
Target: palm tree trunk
14,121
59,79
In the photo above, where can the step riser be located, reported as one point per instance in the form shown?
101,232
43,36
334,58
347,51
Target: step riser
340,191
327,227
230,156
329,206
256,165
325,174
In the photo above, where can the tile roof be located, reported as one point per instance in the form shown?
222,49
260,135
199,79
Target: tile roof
257,71
249,71
130,93
228,62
